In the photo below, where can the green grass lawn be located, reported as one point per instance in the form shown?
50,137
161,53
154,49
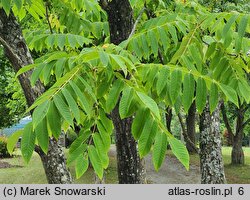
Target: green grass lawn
33,173
234,174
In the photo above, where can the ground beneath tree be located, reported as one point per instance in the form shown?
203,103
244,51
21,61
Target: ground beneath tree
4,164
171,172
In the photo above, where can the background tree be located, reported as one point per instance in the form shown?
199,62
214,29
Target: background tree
18,54
12,105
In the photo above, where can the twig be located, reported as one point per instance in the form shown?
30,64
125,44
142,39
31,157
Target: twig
47,17
136,22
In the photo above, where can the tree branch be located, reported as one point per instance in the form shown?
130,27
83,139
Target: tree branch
136,22
225,119
185,135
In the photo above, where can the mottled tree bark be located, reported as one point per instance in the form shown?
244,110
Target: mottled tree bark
190,123
19,55
211,163
129,164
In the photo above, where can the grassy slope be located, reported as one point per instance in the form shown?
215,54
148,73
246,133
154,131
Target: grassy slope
34,173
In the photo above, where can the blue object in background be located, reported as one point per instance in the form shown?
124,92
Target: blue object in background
20,125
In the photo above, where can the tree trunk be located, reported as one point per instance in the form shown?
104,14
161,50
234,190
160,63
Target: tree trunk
190,122
211,163
19,55
237,155
54,164
129,164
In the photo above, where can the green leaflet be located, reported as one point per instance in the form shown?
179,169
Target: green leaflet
153,42
147,136
104,58
18,4
188,91
84,103
241,31
39,113
159,150
63,108
60,41
229,24
106,122
196,56
42,135
175,84
76,152
54,121
244,90
213,97
118,63
105,135
125,102
172,31
149,103
82,164
220,68
162,80
6,6
13,139
95,161
72,104
101,150
210,50
182,49
88,88
140,118
201,94
36,73
180,151
28,142
230,94
114,95
84,135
